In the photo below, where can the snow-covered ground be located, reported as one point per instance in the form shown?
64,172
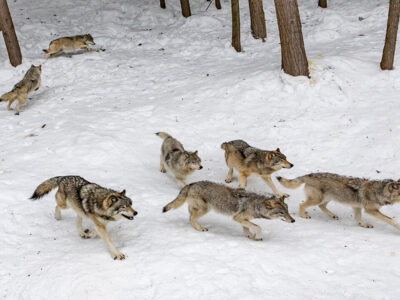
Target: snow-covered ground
163,72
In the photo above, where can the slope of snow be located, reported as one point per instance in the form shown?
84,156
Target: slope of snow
163,72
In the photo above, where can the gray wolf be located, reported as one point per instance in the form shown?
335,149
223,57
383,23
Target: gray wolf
179,161
241,205
89,200
69,43
359,193
30,83
249,160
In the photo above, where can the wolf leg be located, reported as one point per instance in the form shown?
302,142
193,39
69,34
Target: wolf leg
377,214
242,180
313,197
61,204
327,211
229,176
162,167
196,213
357,216
271,184
85,234
9,104
21,101
101,230
257,236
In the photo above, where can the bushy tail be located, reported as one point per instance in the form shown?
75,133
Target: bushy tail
8,96
178,200
291,183
46,187
163,135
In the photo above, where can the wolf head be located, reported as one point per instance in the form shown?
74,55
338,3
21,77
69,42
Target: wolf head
276,208
89,39
117,205
392,191
277,160
192,160
34,68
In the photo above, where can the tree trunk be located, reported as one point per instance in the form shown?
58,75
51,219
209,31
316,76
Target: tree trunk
10,38
257,17
218,4
294,59
391,35
185,8
322,3
162,3
236,25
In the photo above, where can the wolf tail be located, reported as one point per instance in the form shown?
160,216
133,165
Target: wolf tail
46,187
8,96
178,200
291,183
162,135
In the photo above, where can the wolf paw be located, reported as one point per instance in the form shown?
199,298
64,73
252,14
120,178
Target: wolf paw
17,114
335,217
228,180
366,225
87,234
306,216
119,256
203,229
163,171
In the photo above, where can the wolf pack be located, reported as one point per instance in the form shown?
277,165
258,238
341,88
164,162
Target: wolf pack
102,205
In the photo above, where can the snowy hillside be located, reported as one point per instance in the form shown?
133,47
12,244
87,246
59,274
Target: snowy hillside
95,115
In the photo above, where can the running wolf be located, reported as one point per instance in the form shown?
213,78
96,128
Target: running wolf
30,83
243,206
89,200
248,160
69,43
359,193
181,162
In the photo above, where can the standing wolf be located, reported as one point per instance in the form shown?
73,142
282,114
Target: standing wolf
359,193
30,82
243,206
181,162
69,43
248,160
91,201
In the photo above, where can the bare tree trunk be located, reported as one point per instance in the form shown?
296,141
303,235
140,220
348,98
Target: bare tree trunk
294,59
218,4
236,25
391,35
322,3
162,3
10,38
185,8
257,17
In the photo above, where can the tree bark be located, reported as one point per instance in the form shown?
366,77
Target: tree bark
294,59
185,8
322,3
162,3
391,35
218,4
236,25
10,38
257,17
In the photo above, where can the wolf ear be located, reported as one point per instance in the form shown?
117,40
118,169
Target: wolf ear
278,150
282,198
268,203
269,156
110,200
195,152
122,193
393,186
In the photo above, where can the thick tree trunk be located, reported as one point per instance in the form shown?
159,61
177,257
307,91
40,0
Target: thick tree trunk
236,25
185,8
391,35
162,3
10,38
257,17
218,4
294,59
322,3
